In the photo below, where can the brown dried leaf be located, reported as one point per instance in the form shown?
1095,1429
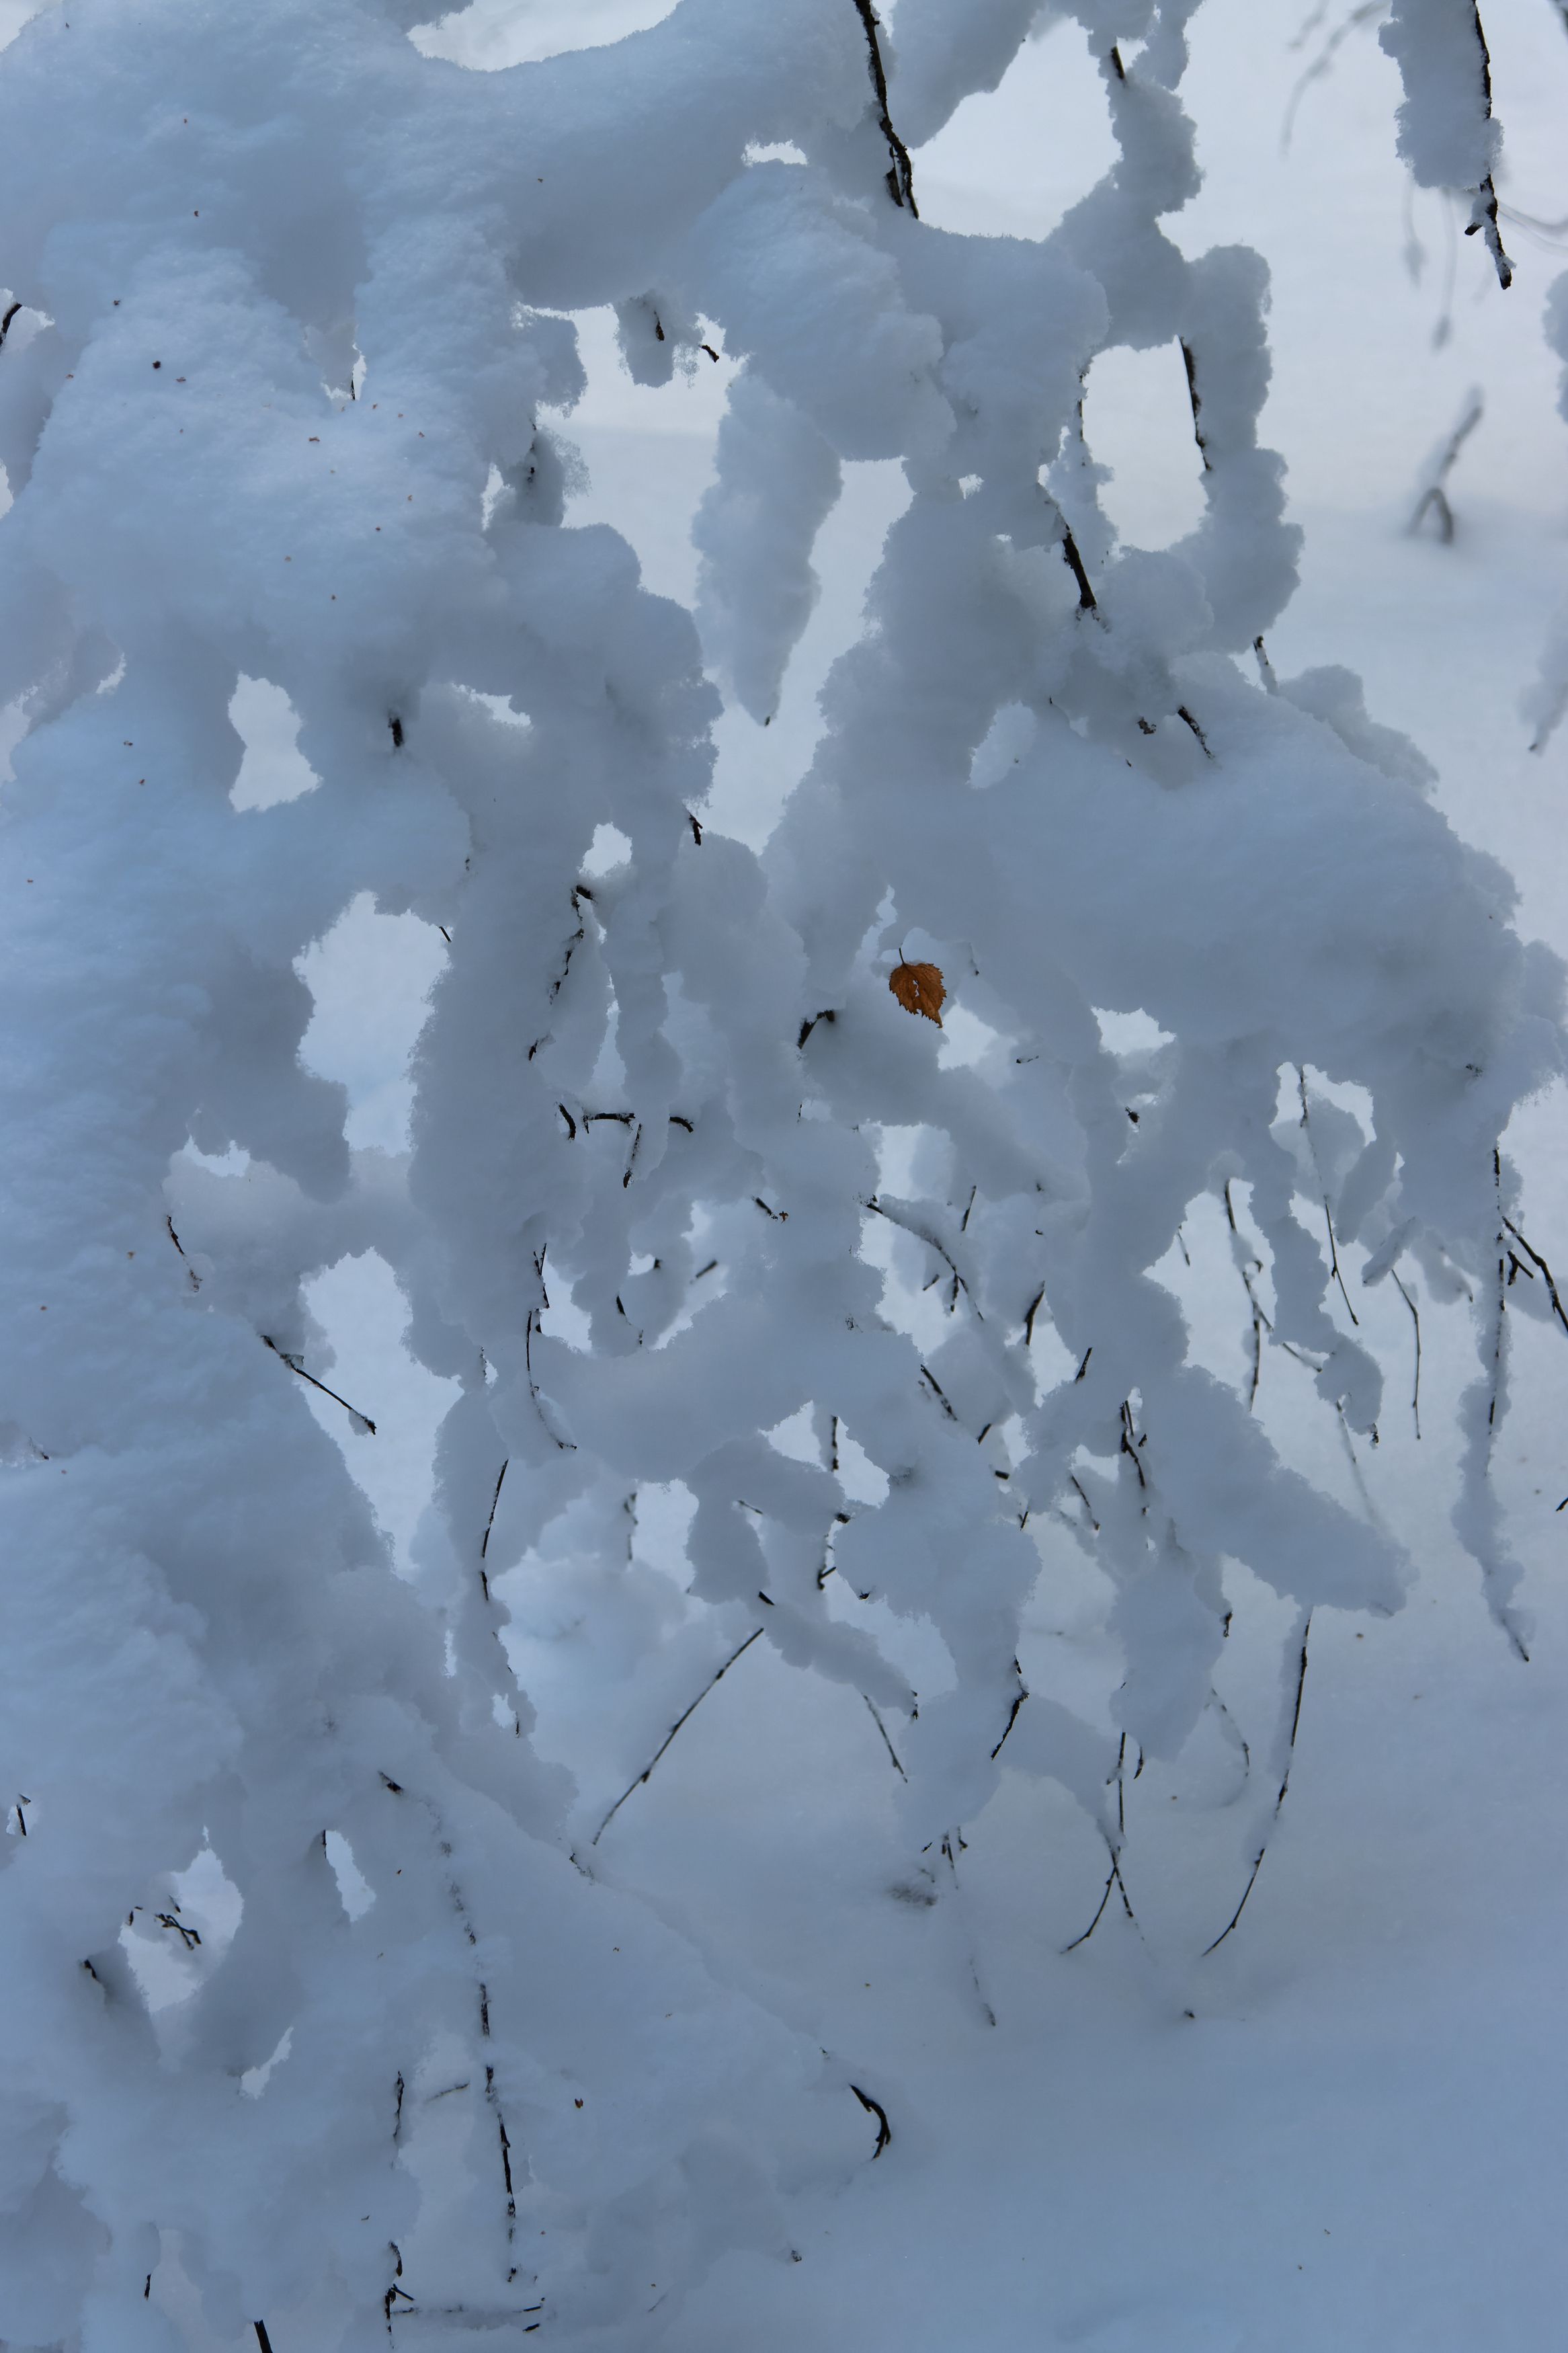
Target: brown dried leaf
919,988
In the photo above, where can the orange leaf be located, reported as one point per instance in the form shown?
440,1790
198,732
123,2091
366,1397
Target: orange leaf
918,990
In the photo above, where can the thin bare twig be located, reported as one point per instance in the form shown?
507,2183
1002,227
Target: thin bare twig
874,2108
1416,1319
1280,1801
881,1728
1117,1881
1328,1214
710,1684
1019,1696
1130,1442
1247,1270
901,175
1483,212
495,1499
1537,1260
295,1366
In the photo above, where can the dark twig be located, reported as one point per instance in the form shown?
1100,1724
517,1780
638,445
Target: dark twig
1130,1441
1117,1881
900,176
710,1684
1184,713
1019,1696
295,1366
1189,363
1280,1801
1074,1480
1483,216
495,1499
1328,1214
1501,1307
1087,600
881,1728
921,1234
567,1445
1416,1319
1537,1260
874,2108
262,2339
1247,1270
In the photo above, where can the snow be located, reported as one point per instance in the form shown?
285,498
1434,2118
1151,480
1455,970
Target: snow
1341,2125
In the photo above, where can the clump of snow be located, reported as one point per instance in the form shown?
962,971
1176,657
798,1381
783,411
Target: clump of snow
400,771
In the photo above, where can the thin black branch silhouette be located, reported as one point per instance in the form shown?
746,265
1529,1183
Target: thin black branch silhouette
1416,1319
295,1366
1280,1801
874,2108
901,175
1117,1881
876,1720
710,1684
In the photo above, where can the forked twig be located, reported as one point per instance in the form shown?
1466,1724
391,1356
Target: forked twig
1117,1881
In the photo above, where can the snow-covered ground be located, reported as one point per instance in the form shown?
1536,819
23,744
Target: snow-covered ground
1345,2127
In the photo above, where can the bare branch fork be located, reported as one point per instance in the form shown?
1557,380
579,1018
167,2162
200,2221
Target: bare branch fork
1540,1263
876,1718
1117,1881
921,1234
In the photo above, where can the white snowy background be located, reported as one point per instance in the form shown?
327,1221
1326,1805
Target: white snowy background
1346,2127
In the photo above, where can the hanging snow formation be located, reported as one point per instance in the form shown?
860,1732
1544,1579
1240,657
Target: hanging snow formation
287,311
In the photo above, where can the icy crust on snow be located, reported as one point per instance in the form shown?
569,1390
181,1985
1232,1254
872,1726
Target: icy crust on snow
276,407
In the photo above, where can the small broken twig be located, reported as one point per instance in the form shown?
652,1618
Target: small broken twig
874,2108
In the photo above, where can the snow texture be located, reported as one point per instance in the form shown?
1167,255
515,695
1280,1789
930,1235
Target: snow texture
318,1985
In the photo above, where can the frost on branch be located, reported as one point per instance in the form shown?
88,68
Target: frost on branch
1447,132
432,2072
